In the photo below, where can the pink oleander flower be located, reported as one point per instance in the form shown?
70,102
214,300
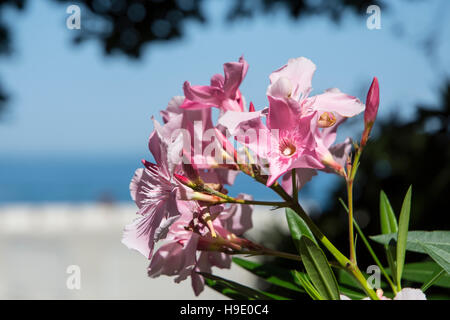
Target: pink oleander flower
293,81
337,154
223,92
286,141
190,247
156,195
186,132
299,130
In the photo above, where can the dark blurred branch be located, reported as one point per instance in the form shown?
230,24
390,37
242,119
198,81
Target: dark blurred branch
5,40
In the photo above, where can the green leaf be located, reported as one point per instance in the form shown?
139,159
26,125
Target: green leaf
434,243
387,217
403,234
388,224
235,290
421,272
298,228
270,273
307,285
350,287
318,269
441,257
416,239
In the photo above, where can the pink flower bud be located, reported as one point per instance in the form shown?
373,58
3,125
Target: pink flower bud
372,102
226,145
251,108
370,114
184,180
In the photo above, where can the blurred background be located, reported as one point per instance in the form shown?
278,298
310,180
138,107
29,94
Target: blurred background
75,109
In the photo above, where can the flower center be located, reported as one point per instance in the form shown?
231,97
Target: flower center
287,148
326,120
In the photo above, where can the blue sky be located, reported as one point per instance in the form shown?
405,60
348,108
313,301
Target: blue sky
73,100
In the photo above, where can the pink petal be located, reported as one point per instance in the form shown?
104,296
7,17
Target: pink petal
139,235
232,120
237,218
299,72
203,94
283,114
234,74
304,175
341,151
334,100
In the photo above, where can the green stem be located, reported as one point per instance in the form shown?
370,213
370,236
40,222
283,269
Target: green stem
349,180
433,280
350,221
280,254
269,252
229,199
372,253
341,259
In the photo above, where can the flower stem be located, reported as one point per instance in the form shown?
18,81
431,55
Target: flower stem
228,199
341,259
349,180
350,221
269,252
372,253
294,186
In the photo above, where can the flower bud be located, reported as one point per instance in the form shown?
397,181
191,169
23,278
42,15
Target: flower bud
372,102
251,108
370,114
185,181
226,144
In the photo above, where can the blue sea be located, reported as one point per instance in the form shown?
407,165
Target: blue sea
106,179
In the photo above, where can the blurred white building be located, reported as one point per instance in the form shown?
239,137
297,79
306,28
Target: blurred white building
39,243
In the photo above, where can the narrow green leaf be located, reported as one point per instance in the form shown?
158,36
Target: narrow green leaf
235,290
403,235
298,227
416,239
307,285
433,280
441,257
388,223
434,243
387,217
422,272
270,273
318,269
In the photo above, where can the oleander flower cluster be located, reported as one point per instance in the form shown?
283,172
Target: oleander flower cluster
188,221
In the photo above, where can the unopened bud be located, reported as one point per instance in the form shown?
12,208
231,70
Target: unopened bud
226,145
251,108
185,181
370,114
